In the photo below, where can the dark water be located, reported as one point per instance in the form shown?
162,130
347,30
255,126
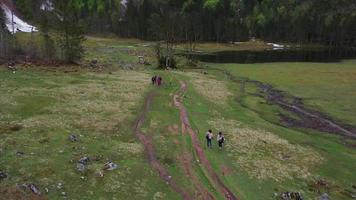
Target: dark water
297,55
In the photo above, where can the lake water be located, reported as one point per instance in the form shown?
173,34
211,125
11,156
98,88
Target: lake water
286,55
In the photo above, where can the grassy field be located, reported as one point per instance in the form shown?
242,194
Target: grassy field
40,108
328,87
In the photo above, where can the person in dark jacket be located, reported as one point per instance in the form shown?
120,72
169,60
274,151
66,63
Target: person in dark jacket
221,139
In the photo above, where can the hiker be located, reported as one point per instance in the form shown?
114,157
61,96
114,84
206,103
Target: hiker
159,81
221,139
154,78
209,136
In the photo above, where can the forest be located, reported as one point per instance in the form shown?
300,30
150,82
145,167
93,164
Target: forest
178,99
313,21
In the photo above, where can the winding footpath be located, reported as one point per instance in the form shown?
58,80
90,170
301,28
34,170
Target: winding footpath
200,191
211,174
146,140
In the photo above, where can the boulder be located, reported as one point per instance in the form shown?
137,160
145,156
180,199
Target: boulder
3,175
110,166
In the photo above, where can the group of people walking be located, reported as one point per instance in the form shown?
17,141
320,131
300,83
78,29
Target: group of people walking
157,80
209,137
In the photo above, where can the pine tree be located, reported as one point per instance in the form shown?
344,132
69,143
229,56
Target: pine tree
70,32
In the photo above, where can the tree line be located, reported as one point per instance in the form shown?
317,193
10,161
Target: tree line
301,21
322,21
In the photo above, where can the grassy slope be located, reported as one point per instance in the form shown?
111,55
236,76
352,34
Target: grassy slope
41,100
339,175
100,107
328,87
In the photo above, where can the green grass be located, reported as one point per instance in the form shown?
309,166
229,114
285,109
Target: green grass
97,107
101,107
328,147
328,87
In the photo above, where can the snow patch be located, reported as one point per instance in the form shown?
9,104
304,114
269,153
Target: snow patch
276,46
18,24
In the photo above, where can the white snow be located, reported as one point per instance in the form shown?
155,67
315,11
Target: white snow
276,46
18,24
47,6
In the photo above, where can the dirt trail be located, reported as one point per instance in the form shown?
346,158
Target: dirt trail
150,152
187,159
216,181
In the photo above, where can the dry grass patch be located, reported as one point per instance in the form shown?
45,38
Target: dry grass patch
98,104
207,86
263,154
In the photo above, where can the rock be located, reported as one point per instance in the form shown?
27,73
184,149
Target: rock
34,189
84,160
325,196
290,196
19,153
80,167
3,175
99,174
60,186
110,166
73,138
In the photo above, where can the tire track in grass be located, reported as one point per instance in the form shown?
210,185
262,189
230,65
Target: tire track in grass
150,152
187,159
216,181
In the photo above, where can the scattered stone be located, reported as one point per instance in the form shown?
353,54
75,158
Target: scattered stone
47,190
73,138
110,166
80,167
19,153
11,66
3,175
84,160
34,189
82,177
290,196
99,174
60,186
64,194
325,196
94,61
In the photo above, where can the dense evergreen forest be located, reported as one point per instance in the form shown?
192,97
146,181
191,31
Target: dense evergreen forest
331,22
63,23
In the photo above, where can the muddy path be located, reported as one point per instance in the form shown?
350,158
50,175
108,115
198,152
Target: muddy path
305,117
146,140
211,174
186,160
